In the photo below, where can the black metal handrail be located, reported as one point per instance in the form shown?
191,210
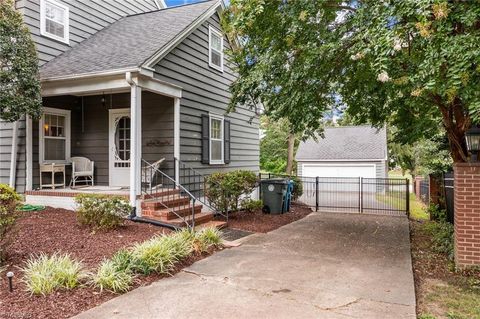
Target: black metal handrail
154,181
196,183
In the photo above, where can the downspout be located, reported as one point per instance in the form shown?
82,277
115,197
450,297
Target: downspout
13,155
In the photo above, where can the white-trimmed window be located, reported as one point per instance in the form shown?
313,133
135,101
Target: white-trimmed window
54,135
215,49
217,141
54,20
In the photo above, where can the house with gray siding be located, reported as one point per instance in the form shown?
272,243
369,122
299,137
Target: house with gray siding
127,84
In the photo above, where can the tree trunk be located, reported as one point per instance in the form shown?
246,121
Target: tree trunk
290,147
456,122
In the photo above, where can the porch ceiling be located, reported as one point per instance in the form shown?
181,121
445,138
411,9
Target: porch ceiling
114,82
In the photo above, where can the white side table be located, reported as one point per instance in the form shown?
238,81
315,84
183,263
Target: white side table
52,169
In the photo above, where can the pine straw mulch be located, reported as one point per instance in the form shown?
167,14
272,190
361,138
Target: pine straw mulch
56,230
259,222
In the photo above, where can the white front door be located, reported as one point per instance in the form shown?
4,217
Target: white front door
119,147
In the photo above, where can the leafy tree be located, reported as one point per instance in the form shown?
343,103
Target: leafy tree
424,157
415,64
275,145
19,80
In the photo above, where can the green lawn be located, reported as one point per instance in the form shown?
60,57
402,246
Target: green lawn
398,174
417,208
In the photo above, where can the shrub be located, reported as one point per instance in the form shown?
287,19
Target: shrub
155,255
297,187
250,205
436,213
208,237
442,237
225,189
44,274
8,216
182,242
113,276
102,211
122,259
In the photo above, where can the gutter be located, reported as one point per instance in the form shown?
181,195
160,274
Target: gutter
13,156
89,75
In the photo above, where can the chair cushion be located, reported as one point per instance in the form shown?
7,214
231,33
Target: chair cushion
83,173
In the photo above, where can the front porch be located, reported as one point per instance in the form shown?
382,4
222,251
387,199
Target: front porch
64,197
116,121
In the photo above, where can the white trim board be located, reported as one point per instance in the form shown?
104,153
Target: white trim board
113,82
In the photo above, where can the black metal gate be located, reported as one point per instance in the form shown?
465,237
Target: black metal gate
386,196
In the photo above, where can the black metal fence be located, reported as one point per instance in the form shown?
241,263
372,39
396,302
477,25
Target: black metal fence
353,194
425,191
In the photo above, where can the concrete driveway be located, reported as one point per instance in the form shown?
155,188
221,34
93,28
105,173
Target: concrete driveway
323,266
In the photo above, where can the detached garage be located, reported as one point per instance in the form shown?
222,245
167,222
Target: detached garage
348,151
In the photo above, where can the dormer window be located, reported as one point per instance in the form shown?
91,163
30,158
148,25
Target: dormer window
215,47
54,20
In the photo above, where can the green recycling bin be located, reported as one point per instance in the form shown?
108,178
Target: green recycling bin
273,194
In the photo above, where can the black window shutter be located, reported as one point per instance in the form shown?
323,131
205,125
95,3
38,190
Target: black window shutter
226,128
205,139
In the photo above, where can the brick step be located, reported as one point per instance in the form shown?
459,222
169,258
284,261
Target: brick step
161,193
166,214
213,223
200,218
169,201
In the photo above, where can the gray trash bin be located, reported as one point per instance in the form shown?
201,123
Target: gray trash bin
273,194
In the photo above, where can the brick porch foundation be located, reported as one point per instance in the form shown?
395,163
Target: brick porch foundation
467,214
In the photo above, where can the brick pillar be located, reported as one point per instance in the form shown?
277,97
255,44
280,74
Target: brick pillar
434,185
417,181
467,214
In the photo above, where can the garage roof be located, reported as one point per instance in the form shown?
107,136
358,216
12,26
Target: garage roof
346,143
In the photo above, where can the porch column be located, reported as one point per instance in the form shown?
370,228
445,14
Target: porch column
135,142
176,136
29,153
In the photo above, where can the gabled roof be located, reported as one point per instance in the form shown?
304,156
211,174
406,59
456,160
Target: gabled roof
128,42
346,143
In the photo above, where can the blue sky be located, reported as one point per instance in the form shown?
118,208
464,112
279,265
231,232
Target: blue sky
178,2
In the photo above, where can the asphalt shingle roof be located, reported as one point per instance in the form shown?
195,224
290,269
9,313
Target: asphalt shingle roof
126,43
345,143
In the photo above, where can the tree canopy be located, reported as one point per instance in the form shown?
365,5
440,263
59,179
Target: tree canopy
19,80
414,64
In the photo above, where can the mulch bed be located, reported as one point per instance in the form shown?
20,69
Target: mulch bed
259,222
432,267
56,230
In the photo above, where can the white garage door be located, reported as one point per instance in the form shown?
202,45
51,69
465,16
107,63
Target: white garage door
344,170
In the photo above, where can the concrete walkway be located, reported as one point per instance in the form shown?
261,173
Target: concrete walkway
323,266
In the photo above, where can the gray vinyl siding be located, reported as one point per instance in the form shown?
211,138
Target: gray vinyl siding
207,90
89,138
380,166
6,130
86,17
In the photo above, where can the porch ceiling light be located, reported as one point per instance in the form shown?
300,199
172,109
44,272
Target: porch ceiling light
472,137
